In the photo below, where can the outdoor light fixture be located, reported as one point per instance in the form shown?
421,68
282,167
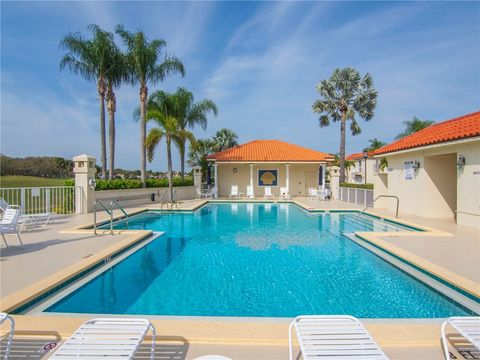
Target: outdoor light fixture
461,160
235,170
416,165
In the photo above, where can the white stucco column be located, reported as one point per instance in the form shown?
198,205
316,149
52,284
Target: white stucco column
287,177
84,170
251,175
215,166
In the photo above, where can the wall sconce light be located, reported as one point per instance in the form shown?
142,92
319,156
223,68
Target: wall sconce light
416,165
461,160
235,170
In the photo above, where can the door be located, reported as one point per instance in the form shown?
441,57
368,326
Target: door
311,181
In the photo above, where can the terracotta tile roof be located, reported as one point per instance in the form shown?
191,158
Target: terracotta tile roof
270,151
356,156
462,127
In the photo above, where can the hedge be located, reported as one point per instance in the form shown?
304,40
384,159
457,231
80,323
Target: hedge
357,186
119,184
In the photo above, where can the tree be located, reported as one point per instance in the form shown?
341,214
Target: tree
88,58
144,67
163,110
190,114
344,95
413,126
374,145
198,152
225,139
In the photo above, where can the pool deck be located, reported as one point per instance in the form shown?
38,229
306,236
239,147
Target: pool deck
66,246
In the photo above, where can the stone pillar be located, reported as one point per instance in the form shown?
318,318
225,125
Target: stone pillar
334,181
197,178
84,170
216,180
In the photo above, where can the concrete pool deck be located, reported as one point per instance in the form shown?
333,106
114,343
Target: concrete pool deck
65,244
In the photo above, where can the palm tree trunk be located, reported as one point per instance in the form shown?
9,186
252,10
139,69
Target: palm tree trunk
143,133
111,107
342,148
169,158
103,145
182,160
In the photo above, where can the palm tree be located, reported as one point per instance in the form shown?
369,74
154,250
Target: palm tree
163,110
413,126
225,139
198,152
88,58
190,114
343,96
144,66
374,145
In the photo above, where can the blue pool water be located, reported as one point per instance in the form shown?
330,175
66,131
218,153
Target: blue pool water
256,260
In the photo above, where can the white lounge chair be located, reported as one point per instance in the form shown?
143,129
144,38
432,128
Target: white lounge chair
3,204
106,338
468,327
268,192
284,194
250,193
234,191
333,337
312,193
4,317
9,223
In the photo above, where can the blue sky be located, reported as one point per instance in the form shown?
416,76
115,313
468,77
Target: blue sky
259,61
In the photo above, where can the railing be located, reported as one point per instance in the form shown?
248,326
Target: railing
355,195
378,197
173,200
117,205
38,200
96,204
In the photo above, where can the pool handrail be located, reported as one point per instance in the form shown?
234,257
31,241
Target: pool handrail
378,197
95,203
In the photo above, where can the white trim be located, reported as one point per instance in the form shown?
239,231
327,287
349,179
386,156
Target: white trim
270,162
430,146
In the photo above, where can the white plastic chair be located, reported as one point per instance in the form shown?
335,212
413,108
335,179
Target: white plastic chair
3,318
9,223
312,193
3,205
106,338
268,192
333,337
468,327
234,191
250,193
284,193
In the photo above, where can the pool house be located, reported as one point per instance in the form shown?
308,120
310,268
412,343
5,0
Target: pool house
269,163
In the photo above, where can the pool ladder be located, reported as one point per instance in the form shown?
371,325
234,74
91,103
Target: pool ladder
378,197
114,204
164,200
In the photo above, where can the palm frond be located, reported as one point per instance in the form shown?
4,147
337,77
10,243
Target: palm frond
154,137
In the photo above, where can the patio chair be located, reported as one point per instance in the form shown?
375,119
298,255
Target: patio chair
333,337
250,193
234,191
468,327
106,338
312,193
284,193
9,223
268,192
3,205
4,317
35,221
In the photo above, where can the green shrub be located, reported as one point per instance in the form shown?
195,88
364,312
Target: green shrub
69,182
357,186
119,184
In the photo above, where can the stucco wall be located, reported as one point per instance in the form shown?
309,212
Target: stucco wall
135,197
227,177
439,188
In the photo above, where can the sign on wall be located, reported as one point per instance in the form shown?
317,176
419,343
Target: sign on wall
409,170
267,178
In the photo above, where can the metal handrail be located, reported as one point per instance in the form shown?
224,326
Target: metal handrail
115,202
378,197
95,203
163,200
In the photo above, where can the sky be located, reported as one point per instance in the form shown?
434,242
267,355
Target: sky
259,61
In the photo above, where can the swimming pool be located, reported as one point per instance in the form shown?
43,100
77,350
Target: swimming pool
256,259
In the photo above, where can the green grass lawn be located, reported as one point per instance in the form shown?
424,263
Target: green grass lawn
28,181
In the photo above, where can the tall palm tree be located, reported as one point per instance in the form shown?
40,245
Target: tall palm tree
144,67
198,152
88,58
374,145
163,110
225,139
344,95
413,126
190,114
